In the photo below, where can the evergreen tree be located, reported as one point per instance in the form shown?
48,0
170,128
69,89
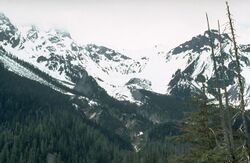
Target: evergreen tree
200,129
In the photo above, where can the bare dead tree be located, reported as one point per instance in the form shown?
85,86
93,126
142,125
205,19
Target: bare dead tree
227,108
240,81
219,95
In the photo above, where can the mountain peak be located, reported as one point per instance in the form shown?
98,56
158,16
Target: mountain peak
201,42
8,32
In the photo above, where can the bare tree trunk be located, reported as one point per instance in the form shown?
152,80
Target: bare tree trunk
219,96
205,108
204,97
227,109
240,82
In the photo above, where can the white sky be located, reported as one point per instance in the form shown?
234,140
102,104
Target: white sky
129,24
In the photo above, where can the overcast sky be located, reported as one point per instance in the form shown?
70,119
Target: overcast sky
129,24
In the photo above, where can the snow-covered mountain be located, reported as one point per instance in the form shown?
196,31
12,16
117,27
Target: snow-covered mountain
96,77
60,56
196,56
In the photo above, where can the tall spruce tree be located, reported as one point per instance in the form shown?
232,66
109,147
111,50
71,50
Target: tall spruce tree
201,131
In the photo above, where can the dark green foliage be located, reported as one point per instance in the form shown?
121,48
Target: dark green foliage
38,123
200,130
166,108
159,132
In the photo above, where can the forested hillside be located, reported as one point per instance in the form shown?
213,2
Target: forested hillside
38,123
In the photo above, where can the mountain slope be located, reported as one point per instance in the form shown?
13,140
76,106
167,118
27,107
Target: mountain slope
128,121
38,123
